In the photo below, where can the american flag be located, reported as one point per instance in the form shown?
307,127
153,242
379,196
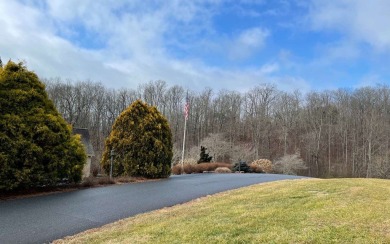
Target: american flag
186,108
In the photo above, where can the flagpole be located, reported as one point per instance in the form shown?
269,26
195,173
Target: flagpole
186,112
184,144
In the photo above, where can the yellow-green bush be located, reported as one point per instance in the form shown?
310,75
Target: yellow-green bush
142,142
37,147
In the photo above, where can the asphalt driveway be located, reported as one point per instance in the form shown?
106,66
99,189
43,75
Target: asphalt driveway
46,218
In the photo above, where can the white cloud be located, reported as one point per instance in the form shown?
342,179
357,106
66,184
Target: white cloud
248,42
269,68
362,20
133,39
30,37
254,37
353,42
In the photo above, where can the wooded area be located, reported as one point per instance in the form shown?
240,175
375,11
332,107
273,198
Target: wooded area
337,133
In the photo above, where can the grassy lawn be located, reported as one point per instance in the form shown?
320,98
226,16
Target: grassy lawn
294,211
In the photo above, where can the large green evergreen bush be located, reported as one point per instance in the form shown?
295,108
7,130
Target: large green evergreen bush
142,142
36,144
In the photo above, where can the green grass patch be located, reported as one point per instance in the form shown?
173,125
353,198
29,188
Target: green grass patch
293,211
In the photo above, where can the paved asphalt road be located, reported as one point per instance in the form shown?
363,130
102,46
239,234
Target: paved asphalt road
46,218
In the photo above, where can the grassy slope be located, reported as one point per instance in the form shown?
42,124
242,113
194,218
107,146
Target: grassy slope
294,211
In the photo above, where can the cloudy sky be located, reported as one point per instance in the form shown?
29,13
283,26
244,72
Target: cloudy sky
222,44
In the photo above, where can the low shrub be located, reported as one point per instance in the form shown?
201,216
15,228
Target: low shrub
94,181
188,169
188,166
242,167
255,168
198,168
203,167
222,170
89,181
264,164
290,164
176,169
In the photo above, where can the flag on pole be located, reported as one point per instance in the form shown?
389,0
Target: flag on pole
186,108
186,112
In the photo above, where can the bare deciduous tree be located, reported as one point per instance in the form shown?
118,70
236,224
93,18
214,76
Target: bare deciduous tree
290,164
339,133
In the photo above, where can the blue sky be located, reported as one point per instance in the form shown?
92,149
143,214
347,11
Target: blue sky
222,44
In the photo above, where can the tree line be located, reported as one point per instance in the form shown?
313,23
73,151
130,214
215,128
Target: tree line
337,133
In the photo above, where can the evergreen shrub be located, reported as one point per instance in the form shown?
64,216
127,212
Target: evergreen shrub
37,147
204,157
142,142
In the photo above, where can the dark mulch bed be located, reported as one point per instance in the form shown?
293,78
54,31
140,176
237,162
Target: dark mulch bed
87,183
37,192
